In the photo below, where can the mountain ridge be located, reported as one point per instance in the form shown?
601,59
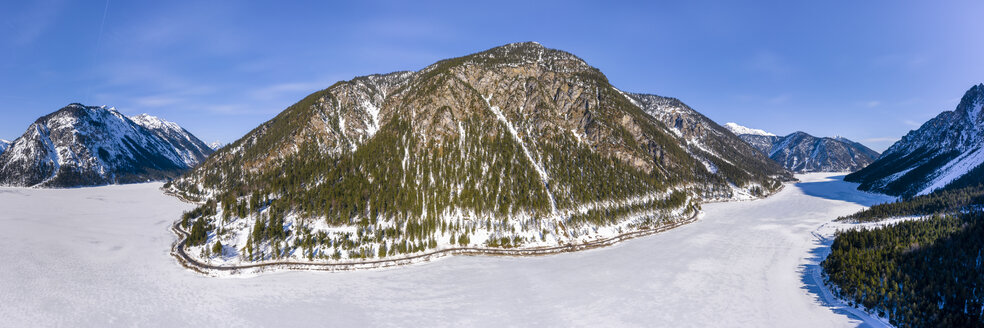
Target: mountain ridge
944,152
80,145
802,152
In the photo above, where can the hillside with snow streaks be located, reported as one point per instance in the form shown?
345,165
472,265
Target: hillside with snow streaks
945,152
84,145
517,147
4,144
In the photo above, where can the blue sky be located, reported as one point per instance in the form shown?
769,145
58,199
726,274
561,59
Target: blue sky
867,70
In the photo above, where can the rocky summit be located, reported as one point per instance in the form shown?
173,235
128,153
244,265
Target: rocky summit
945,152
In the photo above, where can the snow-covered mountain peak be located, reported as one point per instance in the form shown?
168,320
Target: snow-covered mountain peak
4,144
80,145
946,151
154,122
971,103
740,130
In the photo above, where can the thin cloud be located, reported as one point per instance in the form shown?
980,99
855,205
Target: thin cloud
769,63
900,60
157,101
32,23
880,139
780,99
277,91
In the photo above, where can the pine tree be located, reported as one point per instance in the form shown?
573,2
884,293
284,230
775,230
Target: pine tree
217,248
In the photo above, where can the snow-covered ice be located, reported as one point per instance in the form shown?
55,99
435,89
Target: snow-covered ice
99,256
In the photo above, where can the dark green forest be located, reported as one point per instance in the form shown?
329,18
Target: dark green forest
919,273
943,201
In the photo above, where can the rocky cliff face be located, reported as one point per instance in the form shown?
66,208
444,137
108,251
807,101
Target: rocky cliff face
944,152
516,146
85,146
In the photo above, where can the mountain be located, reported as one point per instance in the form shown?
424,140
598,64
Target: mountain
215,145
189,148
801,152
518,146
719,151
740,130
84,146
4,144
945,152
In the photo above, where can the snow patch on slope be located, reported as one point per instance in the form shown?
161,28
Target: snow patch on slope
955,169
536,165
739,130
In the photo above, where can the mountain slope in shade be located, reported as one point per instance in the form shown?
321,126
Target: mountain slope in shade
189,148
518,146
945,152
4,144
84,146
801,152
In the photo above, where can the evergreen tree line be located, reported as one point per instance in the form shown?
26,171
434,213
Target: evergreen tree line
939,202
919,273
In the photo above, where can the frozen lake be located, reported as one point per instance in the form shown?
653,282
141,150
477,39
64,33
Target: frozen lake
99,256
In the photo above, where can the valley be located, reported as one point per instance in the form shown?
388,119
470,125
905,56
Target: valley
746,263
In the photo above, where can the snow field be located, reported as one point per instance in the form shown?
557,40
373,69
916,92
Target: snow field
99,256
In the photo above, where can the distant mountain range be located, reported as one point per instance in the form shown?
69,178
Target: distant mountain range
801,152
84,146
4,144
945,152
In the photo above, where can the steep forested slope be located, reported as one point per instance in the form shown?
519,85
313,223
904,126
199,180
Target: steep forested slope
516,146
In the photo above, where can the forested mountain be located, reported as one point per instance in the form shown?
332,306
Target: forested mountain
945,152
517,146
801,152
719,151
921,273
84,146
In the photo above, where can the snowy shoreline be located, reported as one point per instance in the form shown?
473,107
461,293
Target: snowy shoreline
248,270
179,251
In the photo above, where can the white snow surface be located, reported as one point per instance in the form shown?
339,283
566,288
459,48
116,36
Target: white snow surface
739,130
955,169
99,257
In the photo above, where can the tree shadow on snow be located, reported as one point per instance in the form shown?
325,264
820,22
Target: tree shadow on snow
810,276
835,188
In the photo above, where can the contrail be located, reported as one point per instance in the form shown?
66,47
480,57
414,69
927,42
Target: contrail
95,56
101,24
